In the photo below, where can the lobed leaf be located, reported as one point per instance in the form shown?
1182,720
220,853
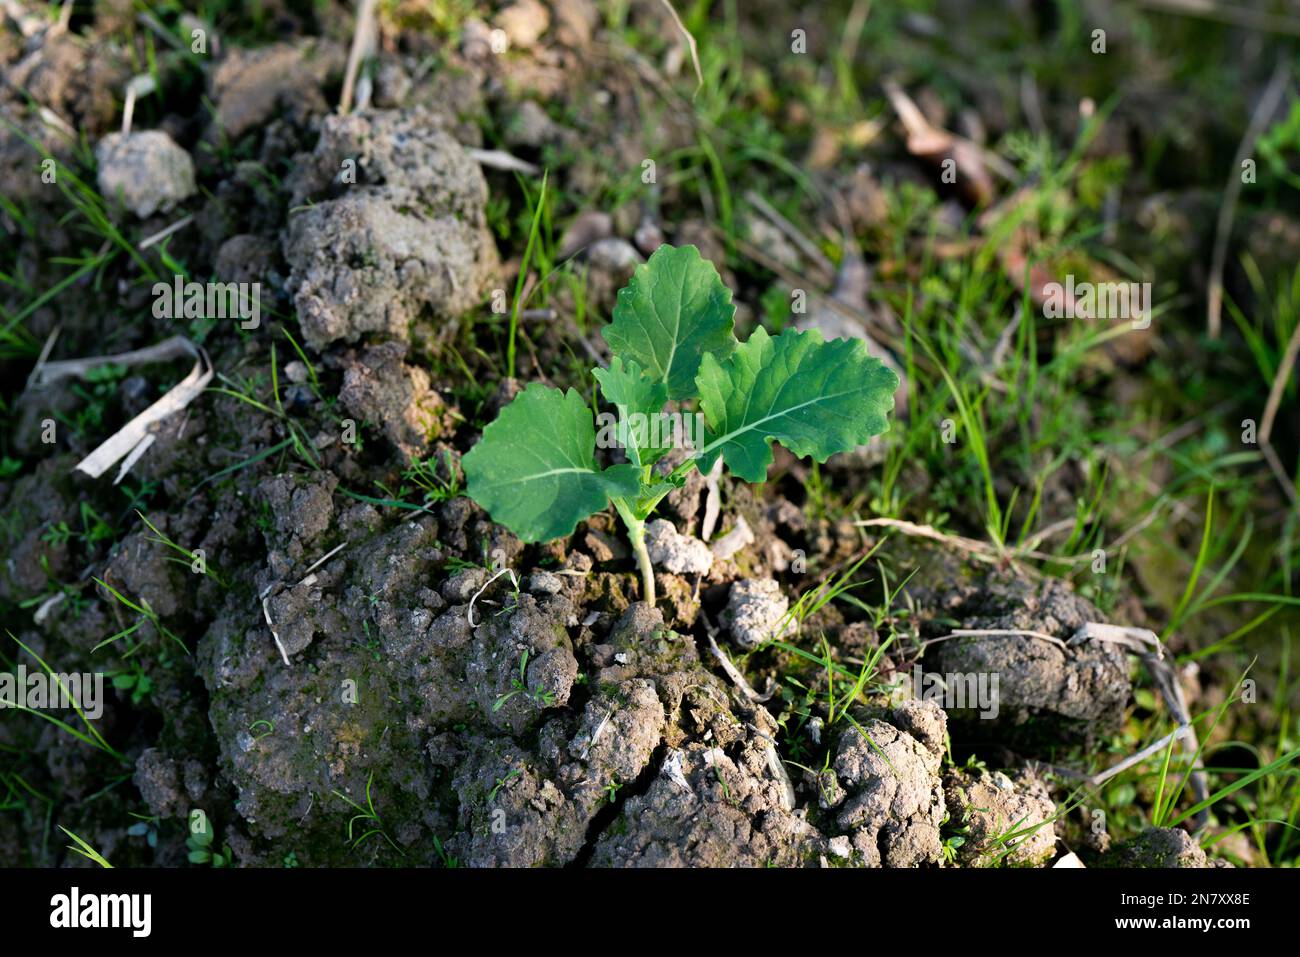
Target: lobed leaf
816,398
674,311
534,469
632,392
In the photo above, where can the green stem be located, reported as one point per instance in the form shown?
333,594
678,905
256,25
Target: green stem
636,536
635,512
693,462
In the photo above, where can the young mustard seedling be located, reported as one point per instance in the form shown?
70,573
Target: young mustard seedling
672,340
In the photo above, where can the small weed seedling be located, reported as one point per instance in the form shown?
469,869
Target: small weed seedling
369,816
183,556
146,827
954,837
146,616
672,340
134,684
93,529
612,788
202,842
520,686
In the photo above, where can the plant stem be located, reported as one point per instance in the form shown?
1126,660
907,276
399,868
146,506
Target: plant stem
636,536
634,512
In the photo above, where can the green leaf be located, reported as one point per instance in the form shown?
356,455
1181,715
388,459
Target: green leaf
534,469
85,849
816,398
633,393
199,837
673,312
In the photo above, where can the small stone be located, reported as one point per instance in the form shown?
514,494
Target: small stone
575,20
524,22
462,585
475,39
610,264
379,387
648,236
298,398
392,85
839,846
542,582
147,172
587,228
756,608
616,256
673,552
603,548
529,127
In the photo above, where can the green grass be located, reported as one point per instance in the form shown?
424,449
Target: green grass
183,556
88,734
145,615
82,847
517,303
